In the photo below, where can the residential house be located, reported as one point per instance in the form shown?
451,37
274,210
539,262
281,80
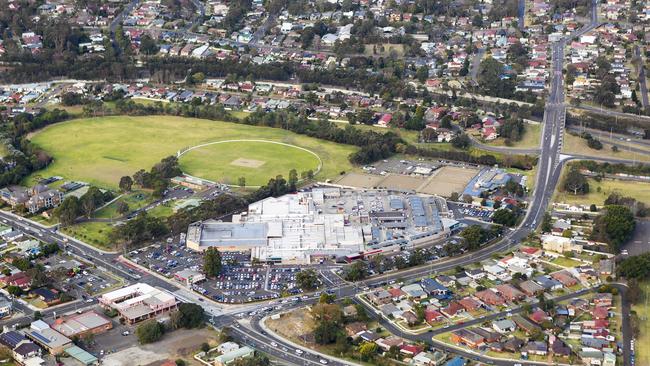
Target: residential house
436,358
490,297
600,312
469,304
475,274
354,329
558,347
19,279
539,316
504,326
432,316
389,310
409,317
509,292
452,309
380,297
6,307
536,348
467,337
410,349
565,278
435,289
525,324
531,288
547,283
48,296
513,344
388,342
27,353
603,299
414,291
397,294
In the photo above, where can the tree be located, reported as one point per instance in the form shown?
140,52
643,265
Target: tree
615,226
5,353
357,271
636,267
474,236
212,262
126,183
491,82
422,74
122,207
148,45
241,182
307,280
461,141
505,217
546,223
326,298
68,211
88,205
256,360
191,315
293,180
576,182
367,350
150,331
14,291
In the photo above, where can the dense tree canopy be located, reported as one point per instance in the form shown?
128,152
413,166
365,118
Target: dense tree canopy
474,236
492,81
150,331
212,262
614,226
575,182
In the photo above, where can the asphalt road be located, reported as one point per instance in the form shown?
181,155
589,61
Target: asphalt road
643,87
504,149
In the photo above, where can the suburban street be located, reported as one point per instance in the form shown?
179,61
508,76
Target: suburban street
643,87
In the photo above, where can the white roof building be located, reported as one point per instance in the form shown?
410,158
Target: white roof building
289,228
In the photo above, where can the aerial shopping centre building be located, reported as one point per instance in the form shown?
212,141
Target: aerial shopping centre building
326,222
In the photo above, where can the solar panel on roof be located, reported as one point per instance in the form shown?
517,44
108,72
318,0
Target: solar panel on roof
40,337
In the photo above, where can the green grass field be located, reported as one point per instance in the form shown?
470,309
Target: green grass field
638,190
101,150
529,140
253,160
135,200
94,233
577,145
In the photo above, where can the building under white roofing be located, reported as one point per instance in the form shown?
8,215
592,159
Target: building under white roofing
289,228
138,302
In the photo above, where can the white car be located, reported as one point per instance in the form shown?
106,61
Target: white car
324,362
274,344
299,352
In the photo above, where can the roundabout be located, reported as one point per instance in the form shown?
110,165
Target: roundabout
255,160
